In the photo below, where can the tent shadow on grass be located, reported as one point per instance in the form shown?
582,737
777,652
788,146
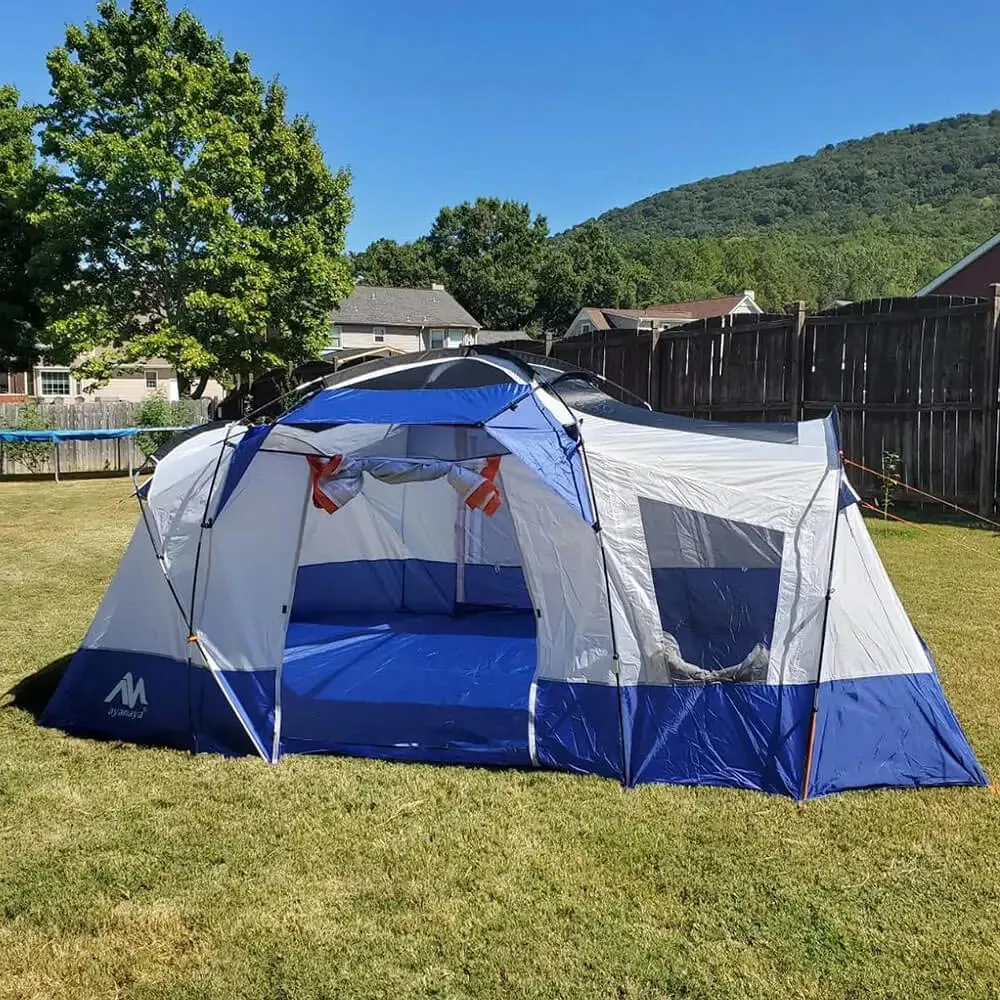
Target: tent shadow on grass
32,693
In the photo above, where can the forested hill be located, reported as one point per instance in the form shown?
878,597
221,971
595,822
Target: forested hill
937,179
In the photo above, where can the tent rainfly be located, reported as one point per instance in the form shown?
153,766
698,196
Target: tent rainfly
477,558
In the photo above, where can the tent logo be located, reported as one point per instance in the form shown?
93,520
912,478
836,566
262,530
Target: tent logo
133,698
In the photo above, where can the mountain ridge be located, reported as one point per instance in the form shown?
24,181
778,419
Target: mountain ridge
934,178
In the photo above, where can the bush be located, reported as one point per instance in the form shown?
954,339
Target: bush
31,454
156,411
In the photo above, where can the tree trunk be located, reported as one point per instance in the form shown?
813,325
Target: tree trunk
197,391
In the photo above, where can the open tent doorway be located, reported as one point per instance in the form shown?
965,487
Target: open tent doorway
411,631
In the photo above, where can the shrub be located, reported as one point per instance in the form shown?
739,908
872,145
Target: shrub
890,470
154,411
31,454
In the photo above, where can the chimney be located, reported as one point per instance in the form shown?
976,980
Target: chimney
436,286
748,293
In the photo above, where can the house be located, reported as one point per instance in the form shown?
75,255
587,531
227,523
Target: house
54,383
405,319
972,275
660,317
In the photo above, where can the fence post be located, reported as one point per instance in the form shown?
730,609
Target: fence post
797,312
653,390
548,343
987,456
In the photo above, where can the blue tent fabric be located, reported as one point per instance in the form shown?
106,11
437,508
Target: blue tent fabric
248,446
531,432
510,412
458,407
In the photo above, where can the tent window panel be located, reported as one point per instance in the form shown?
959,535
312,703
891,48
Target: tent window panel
716,582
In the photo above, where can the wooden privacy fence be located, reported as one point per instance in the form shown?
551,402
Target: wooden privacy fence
916,378
89,456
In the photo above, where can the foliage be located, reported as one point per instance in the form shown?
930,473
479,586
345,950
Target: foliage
206,226
397,265
491,251
156,411
782,267
33,455
20,317
145,872
890,471
937,179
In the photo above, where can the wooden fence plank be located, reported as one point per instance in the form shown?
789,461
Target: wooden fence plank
109,455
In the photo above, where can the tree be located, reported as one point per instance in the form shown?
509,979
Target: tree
397,265
588,268
20,317
491,252
560,291
205,224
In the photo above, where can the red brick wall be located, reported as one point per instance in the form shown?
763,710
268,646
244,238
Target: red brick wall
974,278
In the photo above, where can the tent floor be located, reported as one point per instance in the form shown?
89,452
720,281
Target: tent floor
418,687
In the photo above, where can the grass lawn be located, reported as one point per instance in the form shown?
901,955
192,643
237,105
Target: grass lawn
138,873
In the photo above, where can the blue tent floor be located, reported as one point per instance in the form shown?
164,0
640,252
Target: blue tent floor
423,687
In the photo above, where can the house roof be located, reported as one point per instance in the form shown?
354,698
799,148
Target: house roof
610,318
596,316
355,353
486,337
944,276
692,309
373,304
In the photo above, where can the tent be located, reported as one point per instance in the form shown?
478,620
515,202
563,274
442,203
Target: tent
485,559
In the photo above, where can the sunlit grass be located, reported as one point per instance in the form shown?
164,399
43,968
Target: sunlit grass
128,872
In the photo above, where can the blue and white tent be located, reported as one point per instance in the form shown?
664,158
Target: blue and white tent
476,559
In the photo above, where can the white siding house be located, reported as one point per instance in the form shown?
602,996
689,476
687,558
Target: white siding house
400,319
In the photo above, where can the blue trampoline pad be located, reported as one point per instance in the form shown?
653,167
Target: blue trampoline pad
421,687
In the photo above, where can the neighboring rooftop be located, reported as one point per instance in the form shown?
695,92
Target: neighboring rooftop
487,337
372,304
663,314
690,310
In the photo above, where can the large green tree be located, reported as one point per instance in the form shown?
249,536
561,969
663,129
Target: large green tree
586,267
491,252
20,317
207,227
397,265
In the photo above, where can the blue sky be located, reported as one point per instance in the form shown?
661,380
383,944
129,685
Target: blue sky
574,106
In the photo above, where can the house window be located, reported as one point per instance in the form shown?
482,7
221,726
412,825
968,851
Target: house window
4,383
55,383
456,338
586,327
335,336
378,334
151,380
435,339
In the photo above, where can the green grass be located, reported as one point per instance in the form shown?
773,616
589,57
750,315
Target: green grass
139,873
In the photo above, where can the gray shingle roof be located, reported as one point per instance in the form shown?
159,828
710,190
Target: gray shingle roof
486,337
401,307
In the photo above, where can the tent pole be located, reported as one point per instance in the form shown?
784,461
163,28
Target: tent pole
626,776
616,662
810,746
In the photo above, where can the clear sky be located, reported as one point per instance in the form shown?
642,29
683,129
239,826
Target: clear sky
574,106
